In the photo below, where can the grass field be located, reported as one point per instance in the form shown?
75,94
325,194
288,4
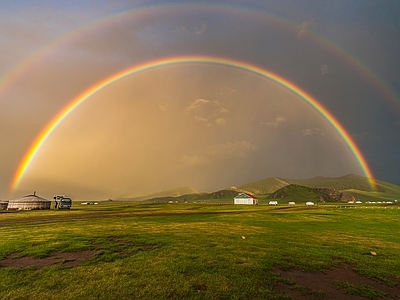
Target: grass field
197,251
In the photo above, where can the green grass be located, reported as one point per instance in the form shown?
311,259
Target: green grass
192,251
361,290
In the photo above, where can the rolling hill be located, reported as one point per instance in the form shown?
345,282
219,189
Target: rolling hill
310,188
176,192
300,193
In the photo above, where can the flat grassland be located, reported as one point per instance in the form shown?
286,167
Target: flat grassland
123,250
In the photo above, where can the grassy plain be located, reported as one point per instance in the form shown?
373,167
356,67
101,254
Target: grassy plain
193,251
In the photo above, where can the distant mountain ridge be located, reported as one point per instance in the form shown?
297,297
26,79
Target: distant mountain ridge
176,192
267,186
346,182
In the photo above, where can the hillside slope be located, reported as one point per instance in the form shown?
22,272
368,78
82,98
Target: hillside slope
264,186
176,192
346,182
303,193
355,185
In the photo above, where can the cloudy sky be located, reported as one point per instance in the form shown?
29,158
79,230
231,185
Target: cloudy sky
203,124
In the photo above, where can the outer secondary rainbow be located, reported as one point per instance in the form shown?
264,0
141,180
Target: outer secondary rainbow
144,12
72,105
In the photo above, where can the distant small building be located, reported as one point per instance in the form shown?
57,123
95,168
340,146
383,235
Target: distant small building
3,205
309,203
29,202
292,203
245,198
273,203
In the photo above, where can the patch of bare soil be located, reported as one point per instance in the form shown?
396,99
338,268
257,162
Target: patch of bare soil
307,286
64,259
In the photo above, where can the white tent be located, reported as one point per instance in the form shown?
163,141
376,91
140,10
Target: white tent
29,202
245,198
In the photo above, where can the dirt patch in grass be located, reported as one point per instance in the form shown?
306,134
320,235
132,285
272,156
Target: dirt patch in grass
64,259
338,283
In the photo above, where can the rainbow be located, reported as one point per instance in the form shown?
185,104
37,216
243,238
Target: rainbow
167,61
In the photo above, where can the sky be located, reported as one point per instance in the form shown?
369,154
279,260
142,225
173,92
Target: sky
215,94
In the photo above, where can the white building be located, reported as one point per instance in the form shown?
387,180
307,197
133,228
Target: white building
273,203
245,198
309,203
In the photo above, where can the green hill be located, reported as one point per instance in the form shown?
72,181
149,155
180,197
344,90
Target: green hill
387,187
346,182
296,193
173,193
355,185
264,186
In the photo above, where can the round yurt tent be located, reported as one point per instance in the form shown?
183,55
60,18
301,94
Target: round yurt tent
3,205
29,202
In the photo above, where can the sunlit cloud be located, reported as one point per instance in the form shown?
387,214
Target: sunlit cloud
220,121
196,105
223,110
207,111
202,29
182,28
198,30
312,131
275,122
324,69
162,107
303,28
198,118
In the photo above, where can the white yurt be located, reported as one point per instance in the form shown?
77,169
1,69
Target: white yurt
29,202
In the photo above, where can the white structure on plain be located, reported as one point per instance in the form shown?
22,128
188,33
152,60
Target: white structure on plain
3,205
245,198
29,202
292,203
273,203
309,203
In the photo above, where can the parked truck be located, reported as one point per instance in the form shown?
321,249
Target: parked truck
62,202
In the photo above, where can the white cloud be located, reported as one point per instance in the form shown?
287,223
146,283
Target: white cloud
196,105
202,29
162,107
324,70
191,31
207,111
303,28
182,28
275,122
223,110
198,118
220,121
312,131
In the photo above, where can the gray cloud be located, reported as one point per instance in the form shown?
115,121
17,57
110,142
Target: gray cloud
202,29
